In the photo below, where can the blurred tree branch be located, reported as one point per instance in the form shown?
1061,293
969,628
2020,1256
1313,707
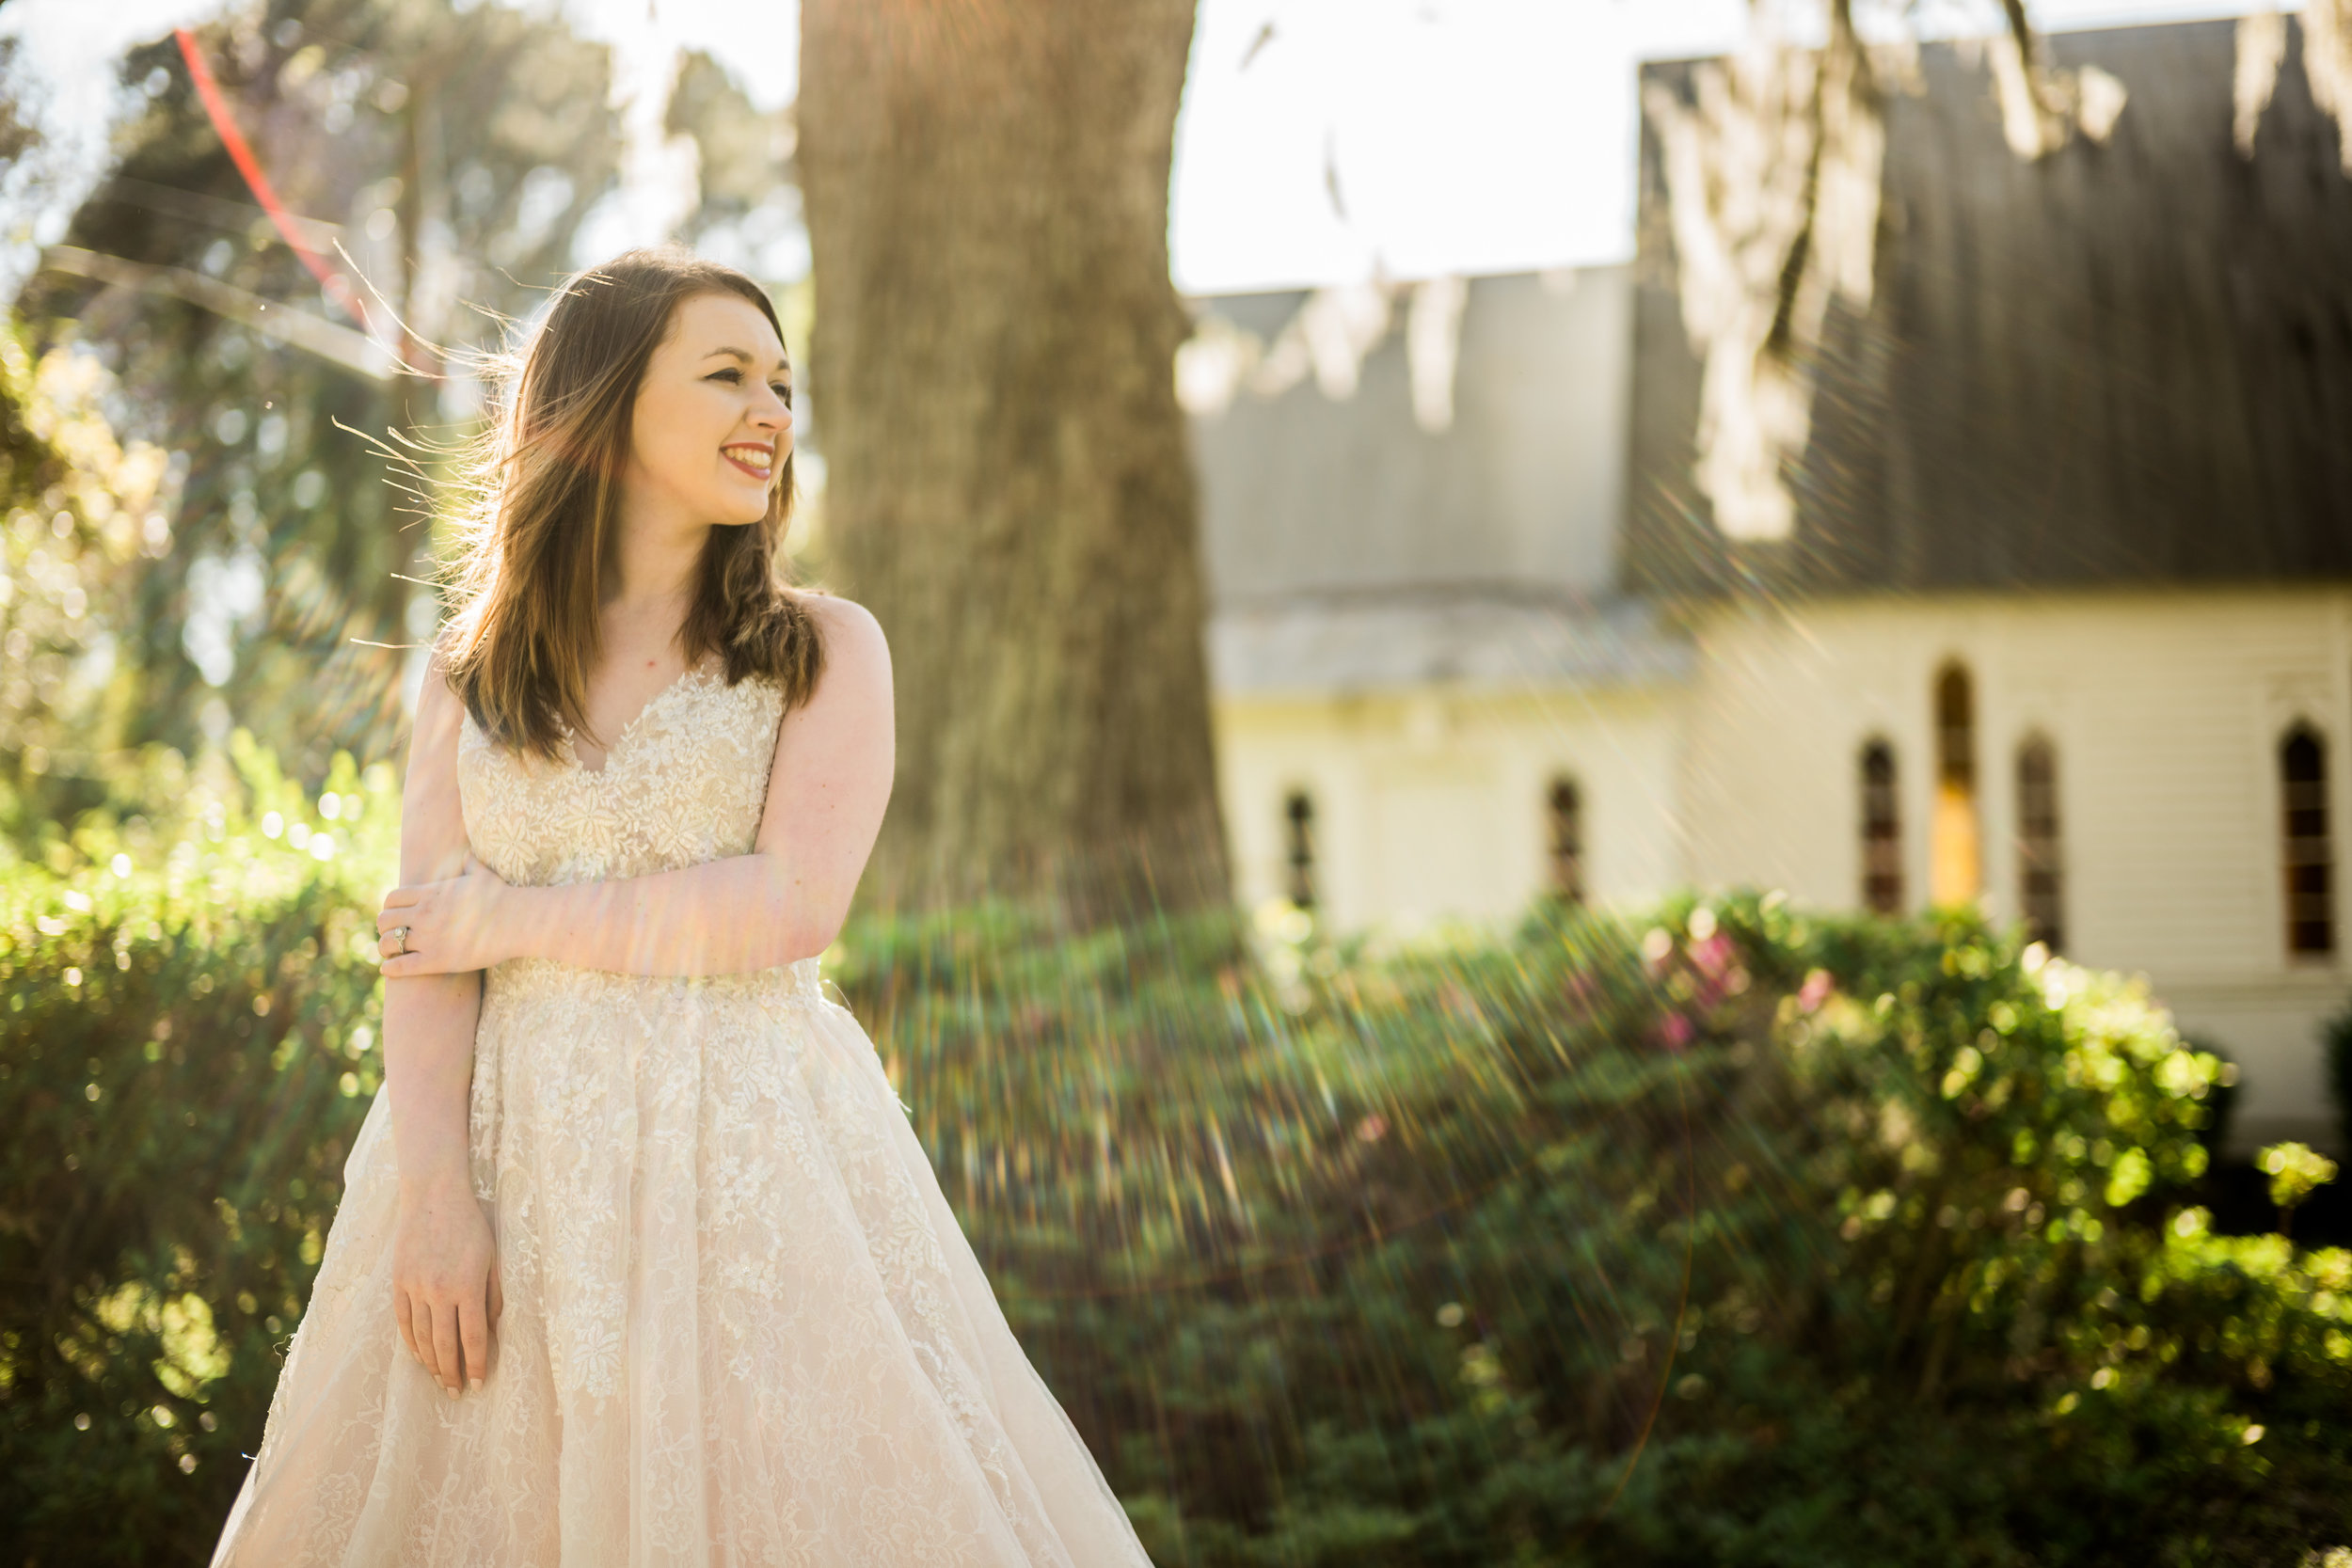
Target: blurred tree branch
338,346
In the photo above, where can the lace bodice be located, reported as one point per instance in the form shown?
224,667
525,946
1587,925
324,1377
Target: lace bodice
684,782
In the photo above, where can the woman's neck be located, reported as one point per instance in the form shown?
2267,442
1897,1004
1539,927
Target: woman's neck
659,559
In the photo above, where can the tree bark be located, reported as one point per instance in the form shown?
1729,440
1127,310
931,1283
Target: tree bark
1008,484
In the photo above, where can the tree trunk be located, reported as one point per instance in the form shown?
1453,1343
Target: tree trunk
1008,484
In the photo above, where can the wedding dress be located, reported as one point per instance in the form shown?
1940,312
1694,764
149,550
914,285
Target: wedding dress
741,1324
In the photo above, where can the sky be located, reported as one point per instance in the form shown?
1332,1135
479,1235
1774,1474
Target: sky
1465,136
1320,141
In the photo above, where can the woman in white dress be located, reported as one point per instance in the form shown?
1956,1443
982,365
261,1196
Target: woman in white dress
639,1261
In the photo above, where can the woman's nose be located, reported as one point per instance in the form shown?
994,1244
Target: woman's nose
774,412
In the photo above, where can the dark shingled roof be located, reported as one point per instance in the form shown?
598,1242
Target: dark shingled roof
2119,364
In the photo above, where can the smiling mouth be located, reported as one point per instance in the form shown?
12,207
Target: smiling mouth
758,461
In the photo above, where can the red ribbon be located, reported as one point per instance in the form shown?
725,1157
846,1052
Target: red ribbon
332,283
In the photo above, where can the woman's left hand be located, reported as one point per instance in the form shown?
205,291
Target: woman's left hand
452,928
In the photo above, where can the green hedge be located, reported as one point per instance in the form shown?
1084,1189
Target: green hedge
185,1058
1741,1237
1732,1236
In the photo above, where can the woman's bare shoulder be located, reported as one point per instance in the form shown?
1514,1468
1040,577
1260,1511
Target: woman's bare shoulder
438,704
853,640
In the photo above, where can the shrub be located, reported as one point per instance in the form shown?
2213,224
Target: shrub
185,1058
1738,1236
1748,1238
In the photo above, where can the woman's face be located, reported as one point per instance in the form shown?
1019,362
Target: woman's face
713,421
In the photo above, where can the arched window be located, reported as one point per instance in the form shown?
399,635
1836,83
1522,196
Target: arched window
1882,832
2311,868
1565,817
1955,865
2040,868
1299,848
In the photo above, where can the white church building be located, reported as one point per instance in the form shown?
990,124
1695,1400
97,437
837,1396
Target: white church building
2062,626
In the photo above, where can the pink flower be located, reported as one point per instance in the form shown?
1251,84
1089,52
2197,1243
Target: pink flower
1711,956
1372,1128
1673,1032
1813,991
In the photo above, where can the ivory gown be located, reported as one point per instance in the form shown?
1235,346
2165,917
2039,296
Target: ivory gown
741,1325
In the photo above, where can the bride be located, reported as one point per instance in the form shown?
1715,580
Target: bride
639,1260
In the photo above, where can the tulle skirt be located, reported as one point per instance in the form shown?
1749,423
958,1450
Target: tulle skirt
741,1324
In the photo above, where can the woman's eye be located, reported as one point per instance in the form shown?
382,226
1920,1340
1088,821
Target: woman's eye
783,391
731,376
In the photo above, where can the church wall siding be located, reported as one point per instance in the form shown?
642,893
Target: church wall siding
2165,709
1433,801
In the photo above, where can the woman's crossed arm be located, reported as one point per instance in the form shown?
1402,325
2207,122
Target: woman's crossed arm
827,785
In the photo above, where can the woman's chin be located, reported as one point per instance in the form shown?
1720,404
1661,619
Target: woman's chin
741,510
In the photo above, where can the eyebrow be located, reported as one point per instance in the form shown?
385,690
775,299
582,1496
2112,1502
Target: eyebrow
784,365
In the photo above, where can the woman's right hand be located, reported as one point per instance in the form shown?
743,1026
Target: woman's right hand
445,1280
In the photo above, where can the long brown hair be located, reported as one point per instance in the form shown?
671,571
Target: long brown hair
543,526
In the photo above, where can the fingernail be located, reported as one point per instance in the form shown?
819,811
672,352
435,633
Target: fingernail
473,1385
